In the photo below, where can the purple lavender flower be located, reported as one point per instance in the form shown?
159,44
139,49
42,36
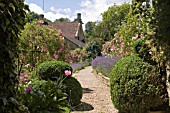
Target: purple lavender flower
104,64
28,89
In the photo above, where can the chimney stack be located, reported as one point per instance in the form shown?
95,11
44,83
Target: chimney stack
78,19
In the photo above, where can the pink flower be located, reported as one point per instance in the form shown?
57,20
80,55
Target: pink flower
60,32
142,36
55,56
134,38
28,89
41,22
26,66
44,48
137,35
67,72
51,31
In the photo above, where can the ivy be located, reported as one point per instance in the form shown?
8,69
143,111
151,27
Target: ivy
12,16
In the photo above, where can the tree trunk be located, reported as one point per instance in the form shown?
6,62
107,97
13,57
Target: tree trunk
168,79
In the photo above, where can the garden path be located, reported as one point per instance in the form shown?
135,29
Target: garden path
96,93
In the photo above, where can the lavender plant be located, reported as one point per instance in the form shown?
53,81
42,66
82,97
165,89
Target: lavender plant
104,64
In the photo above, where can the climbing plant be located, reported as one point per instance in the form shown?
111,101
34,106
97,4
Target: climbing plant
12,16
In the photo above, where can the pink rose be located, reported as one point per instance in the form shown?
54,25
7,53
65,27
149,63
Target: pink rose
67,72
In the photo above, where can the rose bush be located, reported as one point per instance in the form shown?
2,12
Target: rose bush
40,43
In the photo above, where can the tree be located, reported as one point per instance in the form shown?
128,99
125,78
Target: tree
62,20
12,16
89,27
112,19
31,16
160,39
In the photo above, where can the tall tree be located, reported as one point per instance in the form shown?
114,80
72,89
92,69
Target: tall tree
89,27
112,19
62,20
162,36
12,16
31,16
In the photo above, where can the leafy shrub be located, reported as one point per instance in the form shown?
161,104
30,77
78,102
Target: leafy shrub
43,96
74,90
93,49
51,69
104,64
39,43
142,49
134,85
78,55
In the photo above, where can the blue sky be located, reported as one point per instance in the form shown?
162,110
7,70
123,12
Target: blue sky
90,9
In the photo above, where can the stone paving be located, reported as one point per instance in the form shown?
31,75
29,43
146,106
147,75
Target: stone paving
96,93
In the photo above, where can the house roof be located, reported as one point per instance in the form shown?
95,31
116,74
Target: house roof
69,31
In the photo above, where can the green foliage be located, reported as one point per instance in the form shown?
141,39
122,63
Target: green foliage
12,16
112,19
51,69
32,16
42,96
134,85
135,27
74,90
141,48
162,16
93,49
62,20
89,27
79,55
39,43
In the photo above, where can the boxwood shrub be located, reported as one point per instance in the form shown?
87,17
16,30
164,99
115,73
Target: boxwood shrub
134,85
51,69
74,90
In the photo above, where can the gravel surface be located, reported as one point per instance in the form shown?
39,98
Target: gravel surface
96,93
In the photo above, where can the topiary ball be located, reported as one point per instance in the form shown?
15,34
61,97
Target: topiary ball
133,85
52,69
74,90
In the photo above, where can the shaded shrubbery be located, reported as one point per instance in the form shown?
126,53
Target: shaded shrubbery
74,90
51,88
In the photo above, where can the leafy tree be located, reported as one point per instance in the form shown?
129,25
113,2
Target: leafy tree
12,16
89,27
112,19
62,20
159,39
31,16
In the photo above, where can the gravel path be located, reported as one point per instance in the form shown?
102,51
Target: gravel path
96,93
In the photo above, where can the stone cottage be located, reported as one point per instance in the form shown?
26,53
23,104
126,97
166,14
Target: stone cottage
72,31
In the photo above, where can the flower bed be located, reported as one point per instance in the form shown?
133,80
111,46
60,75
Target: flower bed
104,64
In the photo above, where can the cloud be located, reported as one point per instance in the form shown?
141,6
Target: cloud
91,10
53,14
35,8
65,11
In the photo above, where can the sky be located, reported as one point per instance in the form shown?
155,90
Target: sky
90,10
